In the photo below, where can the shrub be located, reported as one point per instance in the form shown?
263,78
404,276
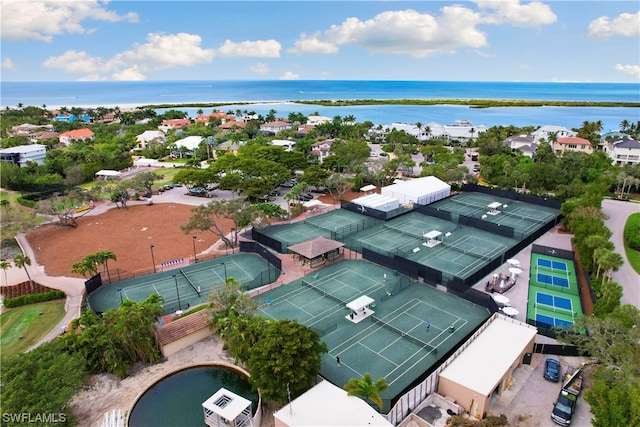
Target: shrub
33,298
632,232
27,203
193,310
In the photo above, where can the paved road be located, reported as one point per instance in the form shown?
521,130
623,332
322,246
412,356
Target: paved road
626,276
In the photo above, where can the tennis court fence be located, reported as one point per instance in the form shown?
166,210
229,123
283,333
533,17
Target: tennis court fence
466,251
325,331
403,334
404,232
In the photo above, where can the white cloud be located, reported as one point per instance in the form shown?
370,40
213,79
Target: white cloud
401,32
260,68
532,14
289,75
7,64
161,51
625,24
41,20
633,70
250,49
76,62
311,44
167,51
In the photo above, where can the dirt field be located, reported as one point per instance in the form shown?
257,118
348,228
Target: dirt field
128,233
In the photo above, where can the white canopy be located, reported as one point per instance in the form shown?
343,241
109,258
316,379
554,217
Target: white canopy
368,188
107,173
494,205
360,302
432,234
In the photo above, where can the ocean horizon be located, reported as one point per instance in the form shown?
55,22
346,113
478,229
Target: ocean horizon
262,96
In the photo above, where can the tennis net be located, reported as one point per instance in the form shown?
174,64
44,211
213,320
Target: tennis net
466,251
403,334
469,204
525,217
403,232
190,282
323,293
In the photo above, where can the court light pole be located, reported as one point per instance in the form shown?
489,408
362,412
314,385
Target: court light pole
120,292
225,272
195,257
153,260
175,277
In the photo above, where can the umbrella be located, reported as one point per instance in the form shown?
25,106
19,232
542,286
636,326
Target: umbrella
510,311
513,261
501,299
515,271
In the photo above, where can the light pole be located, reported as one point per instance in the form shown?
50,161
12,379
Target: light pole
195,257
153,260
175,277
225,271
120,291
233,240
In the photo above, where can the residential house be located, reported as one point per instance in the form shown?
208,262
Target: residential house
65,117
623,151
322,149
149,136
523,143
190,143
229,146
547,133
27,129
275,126
572,143
224,117
36,137
174,124
316,120
287,144
22,154
233,126
82,134
304,129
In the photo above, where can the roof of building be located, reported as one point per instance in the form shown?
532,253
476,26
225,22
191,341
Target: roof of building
626,143
482,365
423,185
328,405
190,142
573,140
78,133
23,149
315,247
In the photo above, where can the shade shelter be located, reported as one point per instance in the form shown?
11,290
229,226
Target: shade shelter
361,308
316,251
493,208
377,201
226,408
107,174
432,238
421,191
368,188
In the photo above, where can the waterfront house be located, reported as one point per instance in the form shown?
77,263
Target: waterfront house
572,143
322,149
275,126
149,136
548,132
523,143
174,124
623,151
22,154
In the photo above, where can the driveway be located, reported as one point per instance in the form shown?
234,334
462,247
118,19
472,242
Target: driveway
618,212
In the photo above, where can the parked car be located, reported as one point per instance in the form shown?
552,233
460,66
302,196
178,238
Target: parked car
274,193
382,154
552,369
564,408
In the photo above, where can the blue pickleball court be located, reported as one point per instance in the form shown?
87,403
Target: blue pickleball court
554,265
554,301
553,321
552,280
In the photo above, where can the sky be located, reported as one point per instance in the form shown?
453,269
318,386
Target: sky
481,40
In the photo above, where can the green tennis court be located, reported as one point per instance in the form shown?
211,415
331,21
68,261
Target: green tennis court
399,336
187,286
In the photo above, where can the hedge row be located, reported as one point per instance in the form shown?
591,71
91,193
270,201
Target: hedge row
632,232
33,298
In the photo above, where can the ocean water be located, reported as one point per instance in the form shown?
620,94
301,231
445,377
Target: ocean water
279,95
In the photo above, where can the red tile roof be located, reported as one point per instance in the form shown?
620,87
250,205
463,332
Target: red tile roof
83,133
573,140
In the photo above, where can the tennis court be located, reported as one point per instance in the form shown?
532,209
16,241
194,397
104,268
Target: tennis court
522,217
407,329
184,287
554,299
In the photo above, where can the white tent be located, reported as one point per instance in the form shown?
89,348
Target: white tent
421,191
190,142
378,202
107,174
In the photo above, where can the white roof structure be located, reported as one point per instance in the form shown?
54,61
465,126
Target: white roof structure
360,302
107,173
498,346
327,405
422,191
377,201
284,143
367,188
190,142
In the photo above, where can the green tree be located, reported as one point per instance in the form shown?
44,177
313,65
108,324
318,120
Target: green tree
285,357
144,181
41,381
22,261
104,257
365,387
87,265
5,265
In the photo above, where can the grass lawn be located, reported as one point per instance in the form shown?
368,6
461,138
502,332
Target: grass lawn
15,217
28,323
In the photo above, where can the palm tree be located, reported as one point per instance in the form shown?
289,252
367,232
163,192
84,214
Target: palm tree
21,261
366,388
5,266
104,257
